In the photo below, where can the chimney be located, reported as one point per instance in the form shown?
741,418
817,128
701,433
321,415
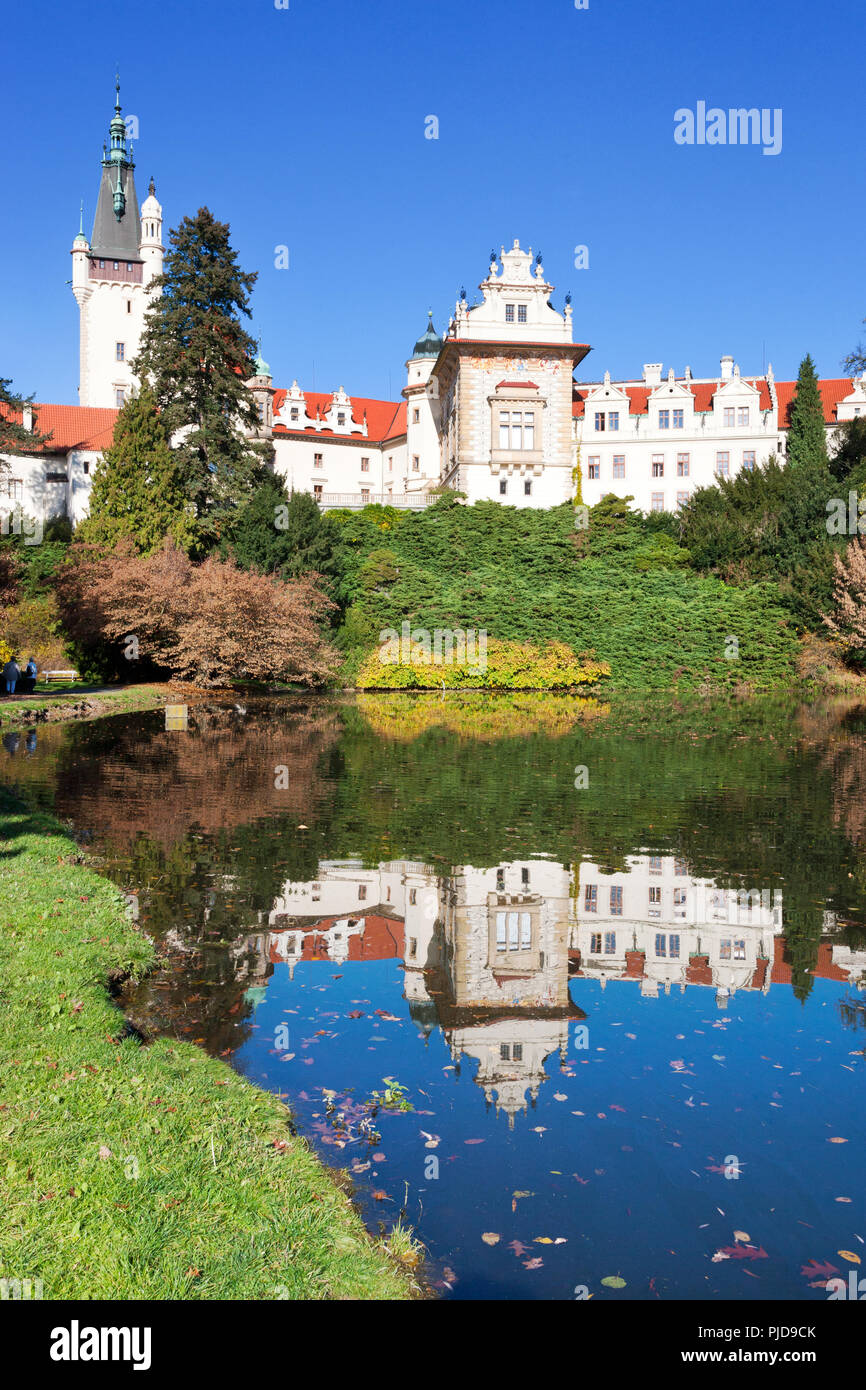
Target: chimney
727,368
652,373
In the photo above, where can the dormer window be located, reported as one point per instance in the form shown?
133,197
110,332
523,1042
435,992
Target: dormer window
294,413
341,417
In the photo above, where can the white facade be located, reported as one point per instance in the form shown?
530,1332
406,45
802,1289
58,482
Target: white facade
492,409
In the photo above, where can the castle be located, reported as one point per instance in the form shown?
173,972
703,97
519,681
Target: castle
490,408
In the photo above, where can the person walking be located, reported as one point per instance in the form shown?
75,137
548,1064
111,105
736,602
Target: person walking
11,672
28,680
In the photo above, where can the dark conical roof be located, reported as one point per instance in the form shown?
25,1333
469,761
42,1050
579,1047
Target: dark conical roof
117,225
430,345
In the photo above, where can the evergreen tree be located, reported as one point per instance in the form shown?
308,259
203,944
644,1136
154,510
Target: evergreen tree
807,438
196,356
14,438
276,533
138,490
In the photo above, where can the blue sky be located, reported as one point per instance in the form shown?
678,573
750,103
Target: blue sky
305,127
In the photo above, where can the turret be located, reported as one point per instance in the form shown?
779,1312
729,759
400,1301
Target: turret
152,249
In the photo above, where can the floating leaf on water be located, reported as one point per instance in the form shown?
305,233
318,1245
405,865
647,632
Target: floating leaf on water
837,1140
614,1281
849,1256
490,1237
742,1235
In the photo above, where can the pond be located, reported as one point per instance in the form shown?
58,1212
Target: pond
606,963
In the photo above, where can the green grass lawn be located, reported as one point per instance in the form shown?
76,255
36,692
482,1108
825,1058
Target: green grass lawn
144,1172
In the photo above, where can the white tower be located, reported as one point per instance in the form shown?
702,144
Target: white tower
422,412
111,275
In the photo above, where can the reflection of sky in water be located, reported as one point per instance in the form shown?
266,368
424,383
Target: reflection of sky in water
630,987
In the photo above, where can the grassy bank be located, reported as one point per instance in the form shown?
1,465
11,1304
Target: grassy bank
79,702
143,1172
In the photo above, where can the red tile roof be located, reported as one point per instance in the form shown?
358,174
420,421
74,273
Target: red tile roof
516,383
73,426
385,419
832,392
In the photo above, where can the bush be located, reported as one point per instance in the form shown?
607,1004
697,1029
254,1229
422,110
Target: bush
500,666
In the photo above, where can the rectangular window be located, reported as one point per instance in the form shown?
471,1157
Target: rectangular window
599,420
657,502
365,465
613,420
655,863
610,943
413,896
743,417
500,880
739,950
725,950
678,419
413,946
682,465
294,412
416,463
661,945
680,897
129,306
341,417
728,417
723,464
500,931
655,895
505,1052
527,488
390,463
664,419
619,465
317,491
525,930
517,1052
365,494
260,411
680,867
513,925
658,465
416,416
509,313
593,467
749,459
318,460
616,902
595,943
120,352
517,429
504,433
590,898
12,488
682,499
674,946
503,487
529,429
119,398
521,313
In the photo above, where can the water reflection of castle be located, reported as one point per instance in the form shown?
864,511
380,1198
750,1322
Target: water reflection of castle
488,953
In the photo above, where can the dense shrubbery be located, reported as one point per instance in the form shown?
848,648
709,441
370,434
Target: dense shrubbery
500,666
620,591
